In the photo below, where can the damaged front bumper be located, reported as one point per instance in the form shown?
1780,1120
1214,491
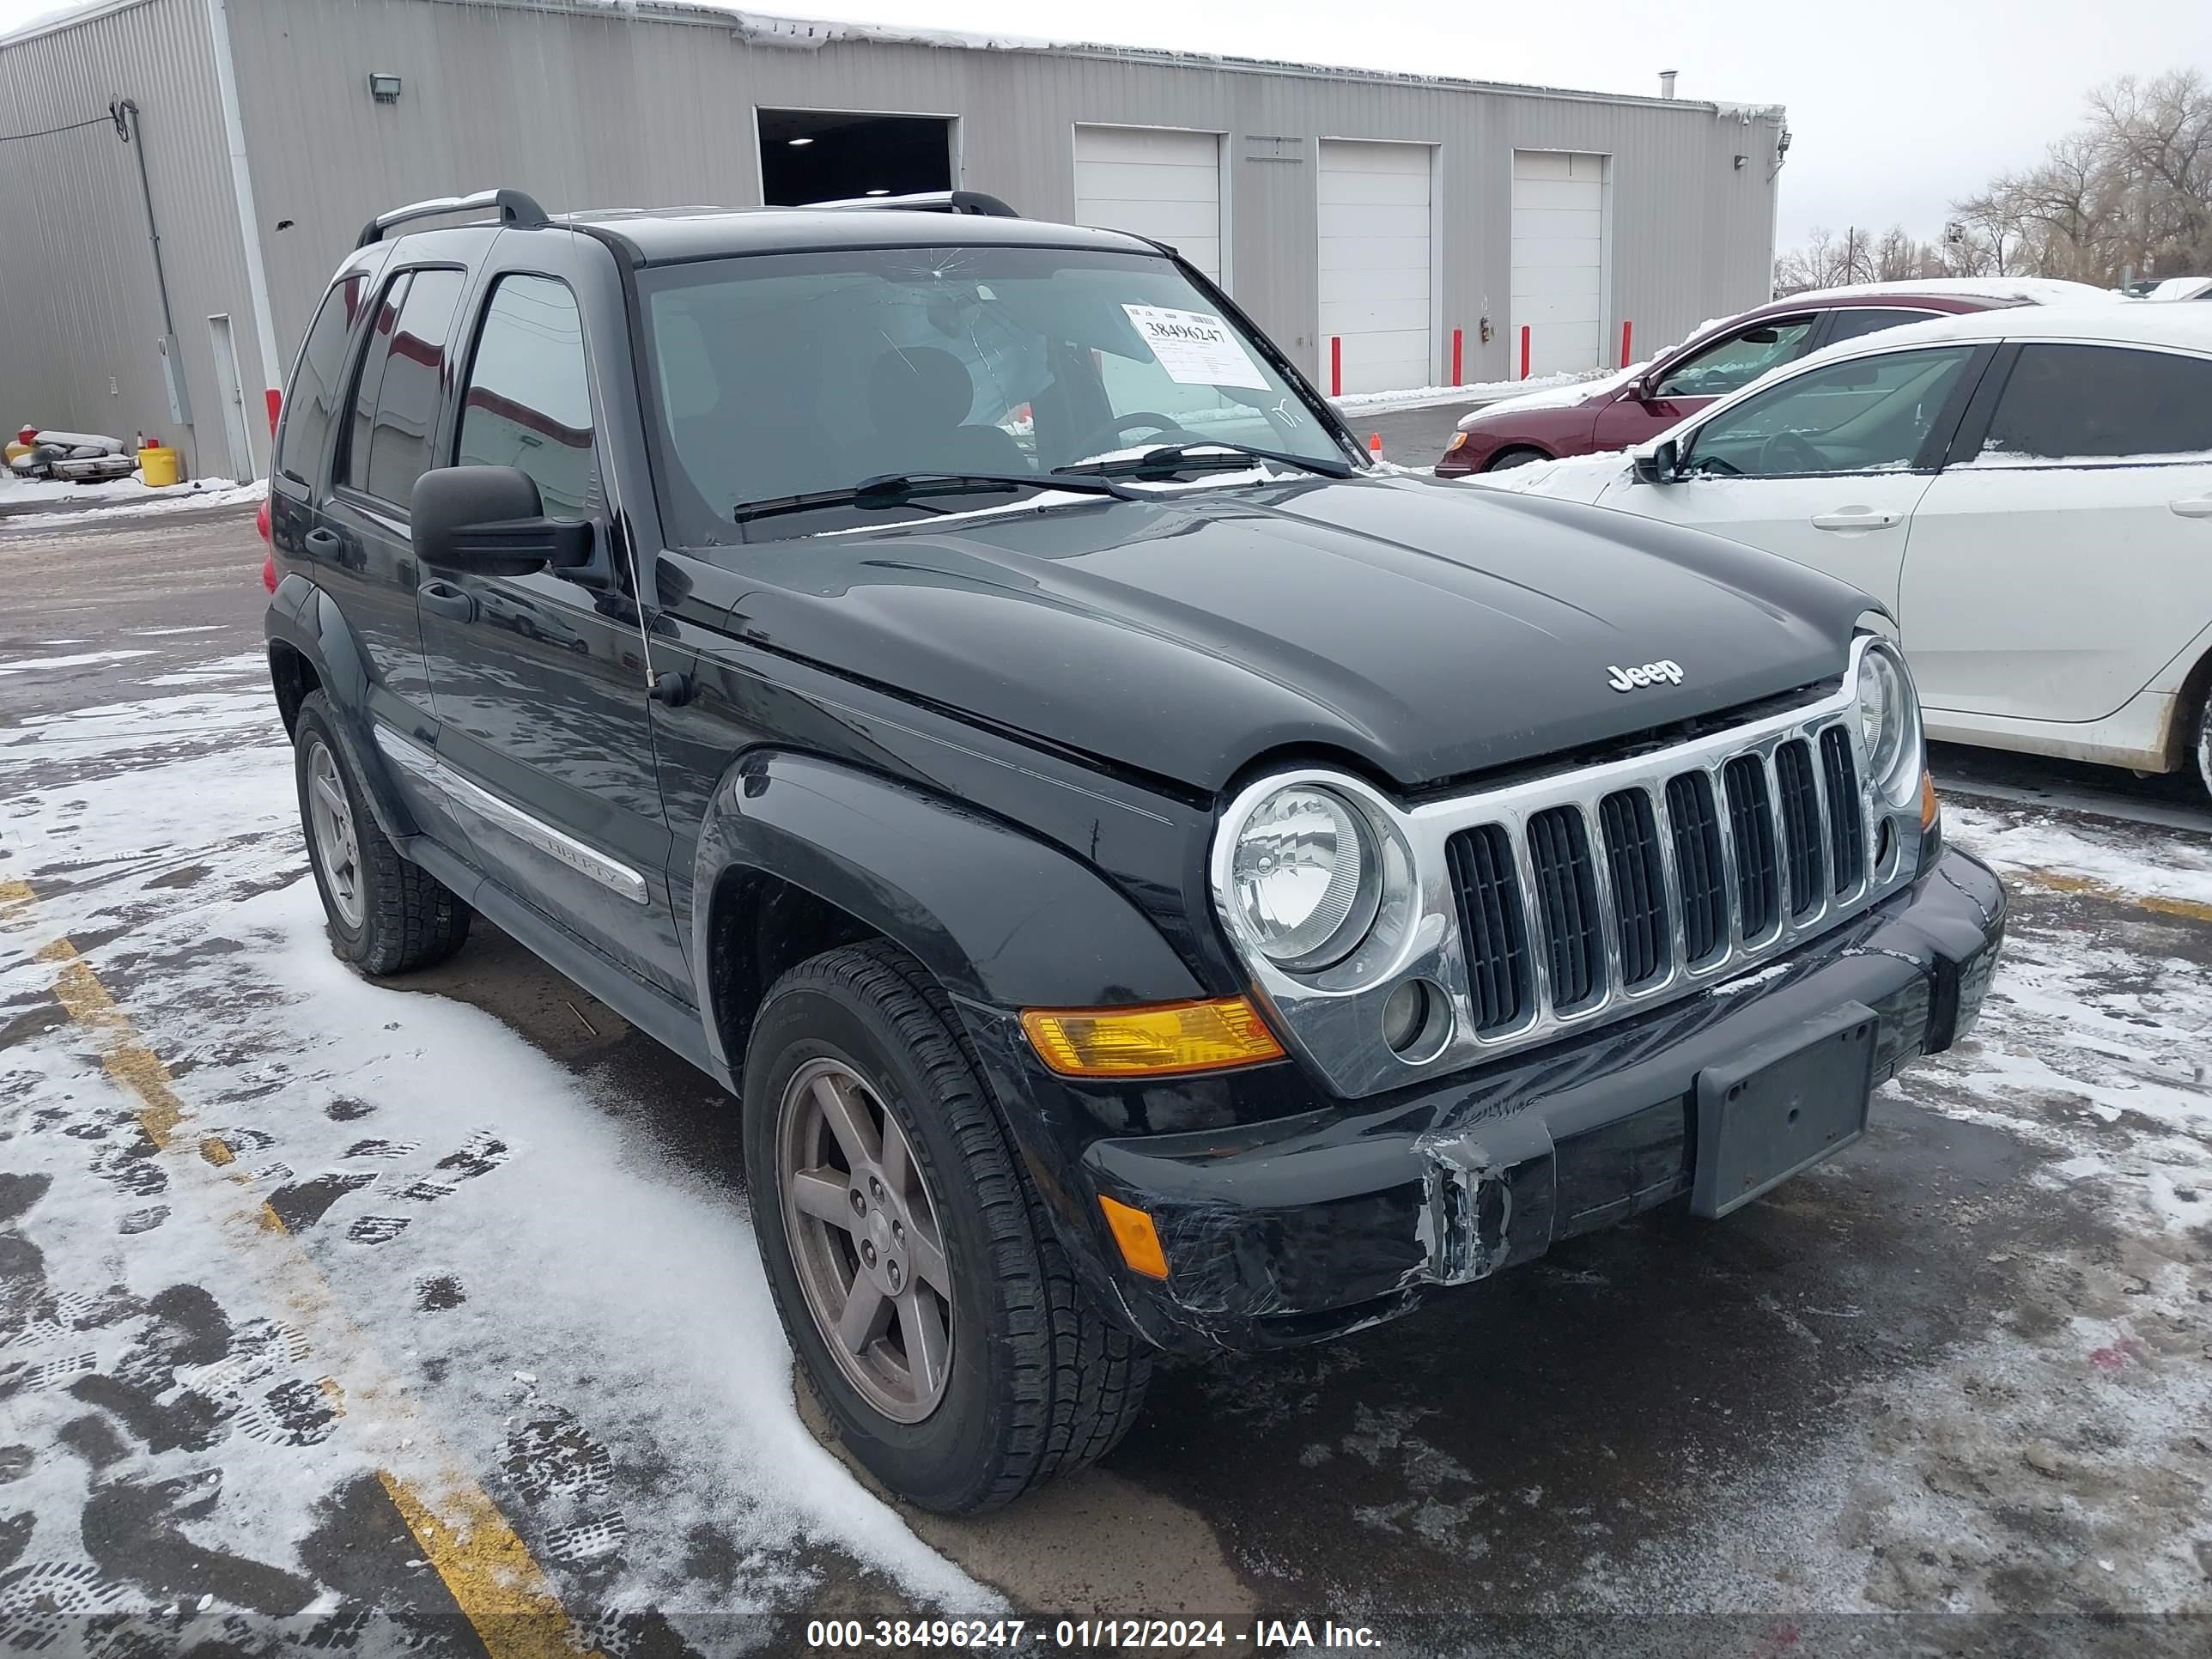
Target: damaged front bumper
1310,1225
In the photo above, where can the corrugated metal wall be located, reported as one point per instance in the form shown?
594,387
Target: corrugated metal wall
591,105
586,107
79,316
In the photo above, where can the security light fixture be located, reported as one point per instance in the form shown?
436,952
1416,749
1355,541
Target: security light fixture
384,87
879,191
796,143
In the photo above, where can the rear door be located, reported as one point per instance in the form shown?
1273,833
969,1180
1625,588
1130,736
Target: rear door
540,680
1824,467
2061,563
359,550
1692,382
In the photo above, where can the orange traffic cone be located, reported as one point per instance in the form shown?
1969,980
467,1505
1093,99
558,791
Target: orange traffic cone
1374,444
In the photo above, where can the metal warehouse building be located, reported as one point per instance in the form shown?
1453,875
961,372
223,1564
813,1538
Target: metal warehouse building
1368,220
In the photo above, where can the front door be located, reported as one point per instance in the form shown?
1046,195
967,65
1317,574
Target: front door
539,681
2058,569
1824,468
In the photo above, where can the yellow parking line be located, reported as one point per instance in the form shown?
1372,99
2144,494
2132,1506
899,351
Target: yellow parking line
497,1583
2058,881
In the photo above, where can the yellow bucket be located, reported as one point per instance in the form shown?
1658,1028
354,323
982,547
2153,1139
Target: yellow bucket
160,467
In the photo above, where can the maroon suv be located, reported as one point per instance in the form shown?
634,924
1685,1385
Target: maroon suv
1627,409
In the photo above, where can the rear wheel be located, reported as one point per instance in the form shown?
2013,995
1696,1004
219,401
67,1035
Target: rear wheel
387,916
2201,751
932,1312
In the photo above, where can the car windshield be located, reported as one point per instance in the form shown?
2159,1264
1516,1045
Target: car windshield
791,375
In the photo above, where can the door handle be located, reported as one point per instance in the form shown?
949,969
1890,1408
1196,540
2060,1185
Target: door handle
444,600
323,543
2193,506
1859,518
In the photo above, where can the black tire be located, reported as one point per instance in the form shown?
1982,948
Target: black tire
2200,751
407,918
1511,458
1041,1382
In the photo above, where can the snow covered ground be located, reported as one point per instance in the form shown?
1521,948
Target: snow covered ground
440,1173
29,503
1960,1373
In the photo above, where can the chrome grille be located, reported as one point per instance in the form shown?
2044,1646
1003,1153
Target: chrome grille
1626,892
1496,926
1571,898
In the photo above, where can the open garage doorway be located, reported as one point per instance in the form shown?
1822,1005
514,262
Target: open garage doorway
823,154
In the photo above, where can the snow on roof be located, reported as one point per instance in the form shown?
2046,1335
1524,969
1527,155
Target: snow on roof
2182,288
812,34
26,21
2033,290
2189,327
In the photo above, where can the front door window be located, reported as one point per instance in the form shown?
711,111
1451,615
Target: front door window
1730,364
1863,415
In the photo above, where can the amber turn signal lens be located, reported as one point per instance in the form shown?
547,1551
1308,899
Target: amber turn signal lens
1133,1231
1457,439
1927,808
1151,1041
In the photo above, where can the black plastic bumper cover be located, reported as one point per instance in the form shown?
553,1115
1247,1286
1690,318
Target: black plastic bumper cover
1339,1217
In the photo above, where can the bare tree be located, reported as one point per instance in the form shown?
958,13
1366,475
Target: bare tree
2129,190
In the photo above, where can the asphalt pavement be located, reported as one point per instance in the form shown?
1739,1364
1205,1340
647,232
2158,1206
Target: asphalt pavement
1949,1392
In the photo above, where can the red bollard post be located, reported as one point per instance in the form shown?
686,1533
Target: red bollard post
1524,351
1459,373
275,398
1336,365
1627,333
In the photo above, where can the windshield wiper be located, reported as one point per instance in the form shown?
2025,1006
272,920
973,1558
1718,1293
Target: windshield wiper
903,488
1183,457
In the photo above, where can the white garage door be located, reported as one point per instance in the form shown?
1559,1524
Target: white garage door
1559,260
1374,264
1154,182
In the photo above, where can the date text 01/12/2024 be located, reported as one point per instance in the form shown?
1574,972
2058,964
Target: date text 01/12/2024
901,1635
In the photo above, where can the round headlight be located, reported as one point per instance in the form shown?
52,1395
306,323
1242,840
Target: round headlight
1306,878
1889,724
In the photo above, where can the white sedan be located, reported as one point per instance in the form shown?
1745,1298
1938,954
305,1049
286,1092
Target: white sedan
2029,491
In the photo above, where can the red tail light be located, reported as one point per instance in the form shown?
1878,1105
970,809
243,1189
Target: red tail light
268,560
269,574
261,518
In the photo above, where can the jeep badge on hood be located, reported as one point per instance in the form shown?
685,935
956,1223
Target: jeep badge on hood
1627,679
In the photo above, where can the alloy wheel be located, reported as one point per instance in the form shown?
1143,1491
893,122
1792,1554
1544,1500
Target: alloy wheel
338,847
865,1240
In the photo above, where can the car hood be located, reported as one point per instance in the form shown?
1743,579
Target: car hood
1573,478
1422,631
1573,395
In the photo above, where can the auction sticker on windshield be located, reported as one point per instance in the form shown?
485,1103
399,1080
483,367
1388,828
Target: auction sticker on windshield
1195,348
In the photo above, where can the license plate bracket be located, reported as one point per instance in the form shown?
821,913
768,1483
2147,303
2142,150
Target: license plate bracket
1781,1107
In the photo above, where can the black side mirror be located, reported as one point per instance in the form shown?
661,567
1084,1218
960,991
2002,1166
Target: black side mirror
1660,465
490,521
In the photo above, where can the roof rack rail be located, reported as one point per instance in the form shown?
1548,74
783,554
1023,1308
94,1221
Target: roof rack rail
515,207
930,201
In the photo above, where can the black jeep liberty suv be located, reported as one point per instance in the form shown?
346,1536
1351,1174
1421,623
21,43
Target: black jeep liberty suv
1154,879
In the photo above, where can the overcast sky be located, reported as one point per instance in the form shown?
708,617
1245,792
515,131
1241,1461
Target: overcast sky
1897,106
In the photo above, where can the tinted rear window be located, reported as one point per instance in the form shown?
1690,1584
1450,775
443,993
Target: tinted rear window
401,381
312,403
2099,403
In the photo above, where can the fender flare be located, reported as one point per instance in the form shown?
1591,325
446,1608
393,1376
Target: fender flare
998,916
307,620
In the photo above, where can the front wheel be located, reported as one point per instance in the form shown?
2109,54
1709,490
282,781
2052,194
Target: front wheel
1512,458
933,1313
387,916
